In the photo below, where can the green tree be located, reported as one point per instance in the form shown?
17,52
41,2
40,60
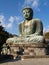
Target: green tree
46,35
3,36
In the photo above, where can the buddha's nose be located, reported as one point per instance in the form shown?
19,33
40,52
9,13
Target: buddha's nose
26,15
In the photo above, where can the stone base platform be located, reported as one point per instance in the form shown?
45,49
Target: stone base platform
30,57
26,50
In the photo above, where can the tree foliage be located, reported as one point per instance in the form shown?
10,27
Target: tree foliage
3,36
46,35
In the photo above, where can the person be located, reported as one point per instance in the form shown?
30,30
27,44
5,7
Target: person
31,29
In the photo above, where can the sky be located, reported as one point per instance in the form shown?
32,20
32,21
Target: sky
11,13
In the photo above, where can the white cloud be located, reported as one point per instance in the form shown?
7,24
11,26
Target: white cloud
32,3
28,2
45,3
9,25
35,3
46,29
11,19
2,18
18,19
38,9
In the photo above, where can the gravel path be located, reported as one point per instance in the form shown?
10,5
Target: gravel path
35,61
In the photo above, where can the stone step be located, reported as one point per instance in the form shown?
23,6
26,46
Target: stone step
25,45
29,56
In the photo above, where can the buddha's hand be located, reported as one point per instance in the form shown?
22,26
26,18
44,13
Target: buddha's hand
31,35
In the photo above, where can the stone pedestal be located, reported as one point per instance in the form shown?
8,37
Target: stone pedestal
26,50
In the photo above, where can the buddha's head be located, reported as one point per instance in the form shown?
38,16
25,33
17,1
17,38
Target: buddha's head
27,13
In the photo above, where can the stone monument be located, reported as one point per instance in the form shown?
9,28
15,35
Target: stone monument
31,42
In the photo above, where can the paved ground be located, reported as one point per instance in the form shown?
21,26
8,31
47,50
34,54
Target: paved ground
34,61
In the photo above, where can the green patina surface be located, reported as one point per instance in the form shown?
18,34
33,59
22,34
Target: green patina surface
31,30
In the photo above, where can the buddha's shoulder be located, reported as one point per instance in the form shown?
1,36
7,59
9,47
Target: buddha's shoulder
36,19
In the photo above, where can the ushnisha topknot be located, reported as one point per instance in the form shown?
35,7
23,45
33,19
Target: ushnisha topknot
27,8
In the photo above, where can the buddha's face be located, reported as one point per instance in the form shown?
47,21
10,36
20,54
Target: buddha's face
27,14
